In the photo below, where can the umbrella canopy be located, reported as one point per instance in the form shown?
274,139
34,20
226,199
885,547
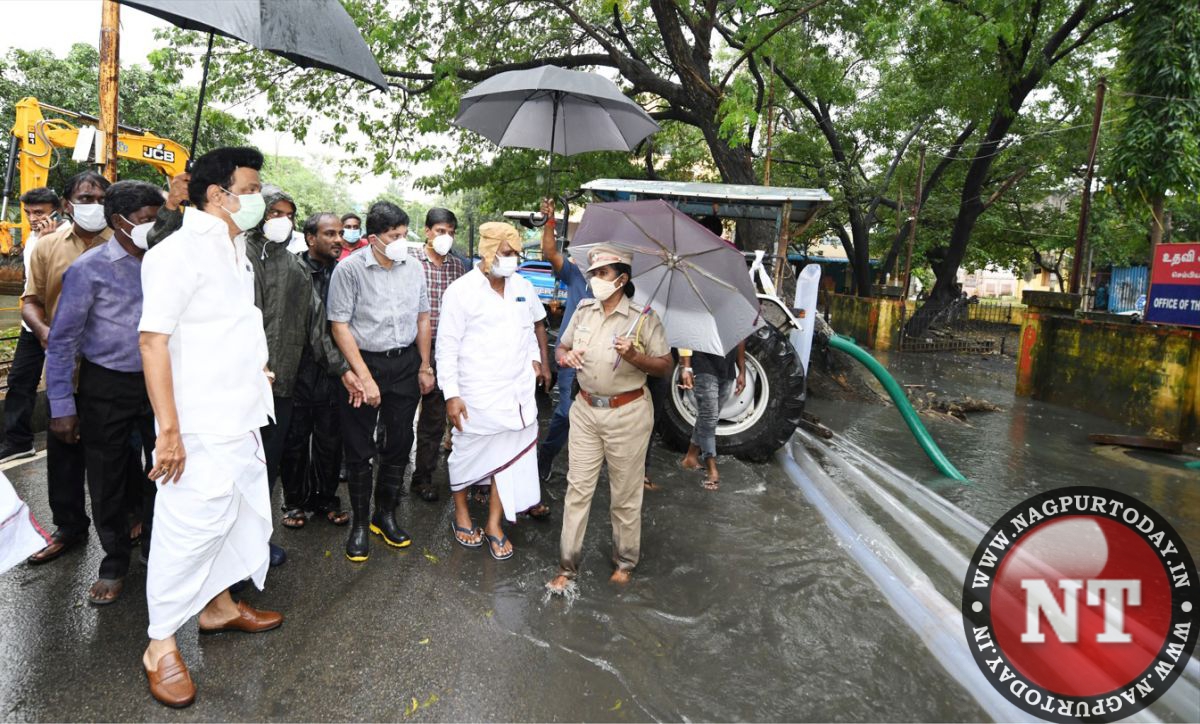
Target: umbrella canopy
552,109
696,281
310,33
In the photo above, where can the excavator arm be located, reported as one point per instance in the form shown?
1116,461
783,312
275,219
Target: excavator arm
36,142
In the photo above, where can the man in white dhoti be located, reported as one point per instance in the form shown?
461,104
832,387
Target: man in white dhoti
205,354
488,362
20,534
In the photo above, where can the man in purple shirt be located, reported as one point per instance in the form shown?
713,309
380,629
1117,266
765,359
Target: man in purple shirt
97,323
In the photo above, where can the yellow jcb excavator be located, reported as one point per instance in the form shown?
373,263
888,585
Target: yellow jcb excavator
34,148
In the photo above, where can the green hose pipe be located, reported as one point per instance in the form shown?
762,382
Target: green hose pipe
847,345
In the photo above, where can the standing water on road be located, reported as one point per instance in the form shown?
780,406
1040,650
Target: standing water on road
749,603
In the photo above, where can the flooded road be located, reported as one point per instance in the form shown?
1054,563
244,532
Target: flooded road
744,608
749,603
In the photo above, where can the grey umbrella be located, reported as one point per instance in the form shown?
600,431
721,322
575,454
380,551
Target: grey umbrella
310,33
552,109
694,279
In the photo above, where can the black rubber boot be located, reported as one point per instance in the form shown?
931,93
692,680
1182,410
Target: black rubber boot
358,544
387,492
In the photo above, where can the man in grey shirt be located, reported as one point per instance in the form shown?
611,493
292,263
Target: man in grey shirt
379,309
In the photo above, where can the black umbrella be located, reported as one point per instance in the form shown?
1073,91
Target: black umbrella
551,109
310,33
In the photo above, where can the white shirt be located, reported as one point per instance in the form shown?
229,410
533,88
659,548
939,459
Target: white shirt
198,287
485,347
26,253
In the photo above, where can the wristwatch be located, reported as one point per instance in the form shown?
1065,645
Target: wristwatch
427,370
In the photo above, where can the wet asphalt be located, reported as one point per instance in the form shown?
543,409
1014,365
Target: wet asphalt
743,608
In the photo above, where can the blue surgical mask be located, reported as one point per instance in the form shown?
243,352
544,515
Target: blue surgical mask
352,235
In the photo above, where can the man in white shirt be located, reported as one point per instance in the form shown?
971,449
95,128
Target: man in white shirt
205,356
488,362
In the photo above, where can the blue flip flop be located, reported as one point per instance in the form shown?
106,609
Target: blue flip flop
455,530
494,543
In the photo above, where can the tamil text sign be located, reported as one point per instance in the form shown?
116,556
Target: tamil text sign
1175,285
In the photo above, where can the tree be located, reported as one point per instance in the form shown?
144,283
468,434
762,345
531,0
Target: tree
1158,152
661,50
311,191
146,100
1017,47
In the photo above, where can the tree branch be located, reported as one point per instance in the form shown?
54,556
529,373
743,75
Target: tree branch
1005,186
1089,31
762,41
475,75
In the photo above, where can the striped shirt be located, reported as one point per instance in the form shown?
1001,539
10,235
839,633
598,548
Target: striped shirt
380,305
437,278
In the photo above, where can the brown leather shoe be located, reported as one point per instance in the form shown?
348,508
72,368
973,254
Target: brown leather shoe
249,620
171,683
59,544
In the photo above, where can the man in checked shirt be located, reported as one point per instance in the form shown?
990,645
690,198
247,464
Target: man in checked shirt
441,268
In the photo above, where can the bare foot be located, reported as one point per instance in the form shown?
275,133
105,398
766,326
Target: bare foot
712,484
689,462
558,584
621,576
648,485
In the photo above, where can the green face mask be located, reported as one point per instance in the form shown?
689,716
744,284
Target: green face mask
251,212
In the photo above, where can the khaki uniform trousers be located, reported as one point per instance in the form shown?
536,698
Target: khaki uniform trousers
619,437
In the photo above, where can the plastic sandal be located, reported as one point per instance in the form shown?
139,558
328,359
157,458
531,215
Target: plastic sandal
455,530
494,543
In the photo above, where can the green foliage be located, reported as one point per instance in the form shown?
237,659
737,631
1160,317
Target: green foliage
147,99
312,191
856,87
1159,148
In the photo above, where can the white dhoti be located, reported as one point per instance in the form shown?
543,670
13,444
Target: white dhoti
20,535
211,529
507,456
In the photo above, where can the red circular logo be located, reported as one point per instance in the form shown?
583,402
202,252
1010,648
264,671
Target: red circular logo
1080,603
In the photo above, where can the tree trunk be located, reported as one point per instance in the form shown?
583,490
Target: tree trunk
1156,221
860,263
736,166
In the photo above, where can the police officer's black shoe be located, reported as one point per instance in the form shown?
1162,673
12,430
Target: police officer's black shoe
358,543
387,491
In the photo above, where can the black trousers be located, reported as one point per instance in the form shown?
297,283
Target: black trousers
23,378
312,454
273,436
400,393
431,428
114,410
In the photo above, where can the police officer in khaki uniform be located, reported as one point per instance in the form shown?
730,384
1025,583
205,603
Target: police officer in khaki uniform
612,417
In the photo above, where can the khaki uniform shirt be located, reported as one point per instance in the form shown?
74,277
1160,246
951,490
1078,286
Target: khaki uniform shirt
49,261
593,333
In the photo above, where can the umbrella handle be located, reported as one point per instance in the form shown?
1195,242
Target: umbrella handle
200,105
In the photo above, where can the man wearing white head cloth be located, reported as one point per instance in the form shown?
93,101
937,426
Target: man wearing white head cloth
488,361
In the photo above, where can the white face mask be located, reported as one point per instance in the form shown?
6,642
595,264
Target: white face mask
442,244
138,233
602,288
504,266
278,229
90,217
395,251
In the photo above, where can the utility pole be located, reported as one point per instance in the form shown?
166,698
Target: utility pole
1085,205
110,68
912,228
